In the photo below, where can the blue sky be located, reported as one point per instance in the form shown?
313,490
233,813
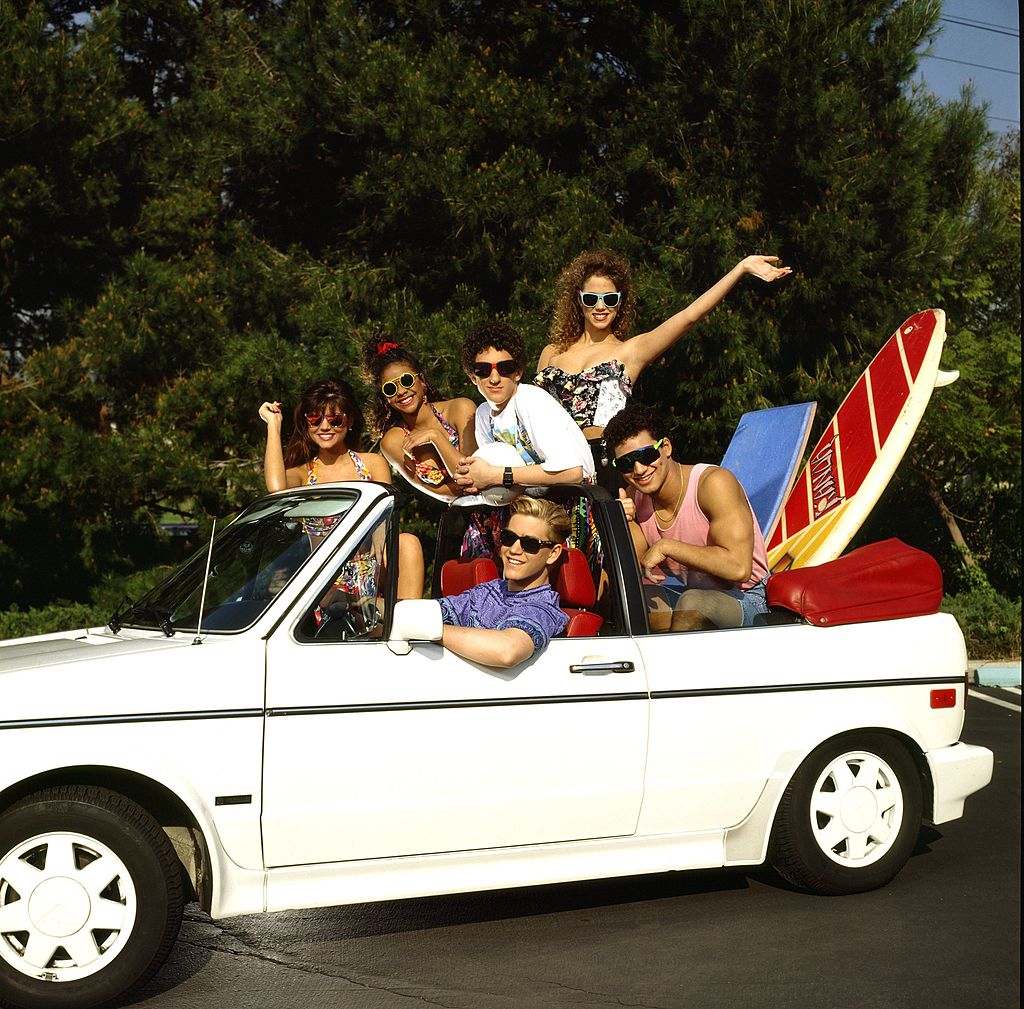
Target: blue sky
991,41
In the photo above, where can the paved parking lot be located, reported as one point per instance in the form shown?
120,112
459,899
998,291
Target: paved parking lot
946,932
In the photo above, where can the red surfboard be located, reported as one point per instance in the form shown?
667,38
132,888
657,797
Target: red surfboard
855,458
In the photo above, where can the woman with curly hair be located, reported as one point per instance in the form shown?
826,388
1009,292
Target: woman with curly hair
423,438
327,426
592,362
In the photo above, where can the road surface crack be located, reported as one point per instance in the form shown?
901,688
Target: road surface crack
238,946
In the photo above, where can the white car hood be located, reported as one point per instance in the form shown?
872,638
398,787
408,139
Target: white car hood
95,674
82,645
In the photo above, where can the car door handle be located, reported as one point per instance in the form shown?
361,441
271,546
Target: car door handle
603,668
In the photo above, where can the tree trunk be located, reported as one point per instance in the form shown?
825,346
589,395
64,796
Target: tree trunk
935,493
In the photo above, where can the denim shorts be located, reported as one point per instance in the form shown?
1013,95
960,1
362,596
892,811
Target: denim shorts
752,601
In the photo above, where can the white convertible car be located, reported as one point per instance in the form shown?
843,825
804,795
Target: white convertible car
251,737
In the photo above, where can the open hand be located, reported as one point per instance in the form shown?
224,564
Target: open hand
765,268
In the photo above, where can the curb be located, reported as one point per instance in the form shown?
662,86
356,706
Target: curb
995,672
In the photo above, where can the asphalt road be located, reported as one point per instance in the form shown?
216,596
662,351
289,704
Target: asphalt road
945,933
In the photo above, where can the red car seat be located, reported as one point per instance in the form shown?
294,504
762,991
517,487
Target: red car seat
575,587
573,583
458,575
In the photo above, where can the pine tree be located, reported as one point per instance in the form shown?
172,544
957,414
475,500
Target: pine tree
212,204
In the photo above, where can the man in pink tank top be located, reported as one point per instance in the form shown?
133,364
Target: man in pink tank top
699,545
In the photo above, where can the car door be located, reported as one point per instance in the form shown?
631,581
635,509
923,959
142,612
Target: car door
371,754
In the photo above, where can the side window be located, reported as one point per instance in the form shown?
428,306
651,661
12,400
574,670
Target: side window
352,604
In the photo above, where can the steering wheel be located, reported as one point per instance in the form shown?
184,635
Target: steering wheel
344,614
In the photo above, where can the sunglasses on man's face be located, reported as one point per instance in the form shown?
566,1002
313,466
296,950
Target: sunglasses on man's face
645,456
336,420
530,544
506,369
609,300
404,381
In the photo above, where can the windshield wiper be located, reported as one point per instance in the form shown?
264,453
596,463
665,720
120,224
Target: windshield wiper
147,611
114,623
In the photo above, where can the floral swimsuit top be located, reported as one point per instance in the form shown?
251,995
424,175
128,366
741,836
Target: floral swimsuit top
428,471
593,396
357,576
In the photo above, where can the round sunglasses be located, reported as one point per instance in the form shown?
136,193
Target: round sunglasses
404,381
506,369
645,456
609,300
336,420
530,544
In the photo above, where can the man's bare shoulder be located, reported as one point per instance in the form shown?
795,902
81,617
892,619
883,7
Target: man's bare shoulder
718,488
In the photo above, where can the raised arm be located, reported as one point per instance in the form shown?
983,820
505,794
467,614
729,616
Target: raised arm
274,474
647,347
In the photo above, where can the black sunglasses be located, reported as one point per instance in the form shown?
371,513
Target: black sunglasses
405,381
506,369
530,544
590,299
645,456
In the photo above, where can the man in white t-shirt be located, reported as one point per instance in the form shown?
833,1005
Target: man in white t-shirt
547,439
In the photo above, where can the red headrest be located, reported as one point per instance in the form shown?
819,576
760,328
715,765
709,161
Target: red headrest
459,575
573,581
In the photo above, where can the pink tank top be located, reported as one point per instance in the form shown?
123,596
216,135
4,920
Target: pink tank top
691,526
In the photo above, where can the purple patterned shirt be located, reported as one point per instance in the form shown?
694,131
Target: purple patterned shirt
491,605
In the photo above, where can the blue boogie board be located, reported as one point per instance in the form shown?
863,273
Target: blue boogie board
765,454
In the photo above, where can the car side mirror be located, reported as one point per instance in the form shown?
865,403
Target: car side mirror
415,620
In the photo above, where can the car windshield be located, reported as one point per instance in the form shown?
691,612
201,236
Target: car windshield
252,560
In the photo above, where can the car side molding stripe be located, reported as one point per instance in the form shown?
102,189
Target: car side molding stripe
778,688
479,702
158,716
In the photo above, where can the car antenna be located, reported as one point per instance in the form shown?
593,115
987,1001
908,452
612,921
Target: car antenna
198,640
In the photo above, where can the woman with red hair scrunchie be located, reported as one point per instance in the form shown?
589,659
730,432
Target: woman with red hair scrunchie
423,439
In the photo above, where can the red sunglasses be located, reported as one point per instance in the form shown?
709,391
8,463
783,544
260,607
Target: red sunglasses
336,420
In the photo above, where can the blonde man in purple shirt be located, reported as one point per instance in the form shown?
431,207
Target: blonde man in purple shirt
504,622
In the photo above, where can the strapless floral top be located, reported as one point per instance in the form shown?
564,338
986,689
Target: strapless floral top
592,396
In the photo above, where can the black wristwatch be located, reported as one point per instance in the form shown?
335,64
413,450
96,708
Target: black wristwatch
506,480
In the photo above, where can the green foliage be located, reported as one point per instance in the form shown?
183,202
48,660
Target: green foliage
214,204
72,146
62,615
990,622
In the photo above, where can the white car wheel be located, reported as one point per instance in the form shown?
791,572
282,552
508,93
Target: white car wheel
850,816
67,906
90,898
856,809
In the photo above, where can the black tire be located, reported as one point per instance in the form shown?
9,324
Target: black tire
103,890
849,817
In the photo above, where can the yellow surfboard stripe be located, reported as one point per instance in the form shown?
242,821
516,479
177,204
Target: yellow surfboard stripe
800,547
